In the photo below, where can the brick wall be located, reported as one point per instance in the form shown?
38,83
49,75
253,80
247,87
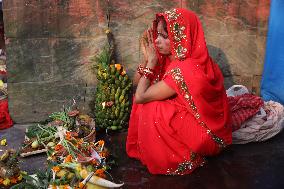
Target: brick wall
49,44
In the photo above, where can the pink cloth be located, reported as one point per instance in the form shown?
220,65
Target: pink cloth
243,107
262,126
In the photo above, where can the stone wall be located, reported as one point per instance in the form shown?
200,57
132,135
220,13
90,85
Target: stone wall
49,44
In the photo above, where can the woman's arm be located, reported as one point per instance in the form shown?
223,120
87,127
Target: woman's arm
159,91
146,93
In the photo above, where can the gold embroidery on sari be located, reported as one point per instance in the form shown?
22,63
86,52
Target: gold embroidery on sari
172,14
188,165
178,78
177,31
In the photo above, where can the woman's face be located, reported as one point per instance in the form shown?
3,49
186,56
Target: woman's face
162,41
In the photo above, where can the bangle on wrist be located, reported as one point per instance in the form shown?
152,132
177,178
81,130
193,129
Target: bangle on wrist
140,69
148,73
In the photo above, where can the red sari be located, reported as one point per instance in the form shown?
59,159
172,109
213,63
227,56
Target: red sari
173,136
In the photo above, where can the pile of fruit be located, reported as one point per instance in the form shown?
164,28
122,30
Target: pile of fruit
41,136
112,104
74,160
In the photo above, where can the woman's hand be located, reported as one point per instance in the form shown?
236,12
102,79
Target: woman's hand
143,46
150,50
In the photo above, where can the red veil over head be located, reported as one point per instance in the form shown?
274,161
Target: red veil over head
197,77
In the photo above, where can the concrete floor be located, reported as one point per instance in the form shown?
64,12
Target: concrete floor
249,166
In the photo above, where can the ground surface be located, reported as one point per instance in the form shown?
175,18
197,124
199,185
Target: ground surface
255,165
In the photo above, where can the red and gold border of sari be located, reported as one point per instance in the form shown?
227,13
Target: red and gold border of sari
196,160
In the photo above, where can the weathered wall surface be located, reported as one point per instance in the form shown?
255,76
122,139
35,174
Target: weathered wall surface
49,44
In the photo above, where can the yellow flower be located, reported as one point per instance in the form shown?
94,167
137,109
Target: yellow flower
78,168
24,173
123,72
107,31
6,182
20,177
3,142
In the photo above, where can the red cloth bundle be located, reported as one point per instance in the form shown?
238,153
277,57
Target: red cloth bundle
5,119
243,107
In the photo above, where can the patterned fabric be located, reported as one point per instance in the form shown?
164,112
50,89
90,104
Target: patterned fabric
243,107
262,126
173,136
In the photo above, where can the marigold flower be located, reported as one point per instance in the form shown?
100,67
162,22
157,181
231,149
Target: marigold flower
118,66
99,171
14,180
68,136
101,174
101,142
58,147
56,168
81,185
68,158
66,187
54,186
103,154
1,181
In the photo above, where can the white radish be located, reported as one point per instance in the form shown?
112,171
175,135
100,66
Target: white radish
98,180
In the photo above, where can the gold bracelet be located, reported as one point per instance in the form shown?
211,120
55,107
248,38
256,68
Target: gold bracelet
148,73
140,69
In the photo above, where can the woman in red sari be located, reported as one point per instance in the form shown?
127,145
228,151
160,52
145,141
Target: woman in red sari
180,112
